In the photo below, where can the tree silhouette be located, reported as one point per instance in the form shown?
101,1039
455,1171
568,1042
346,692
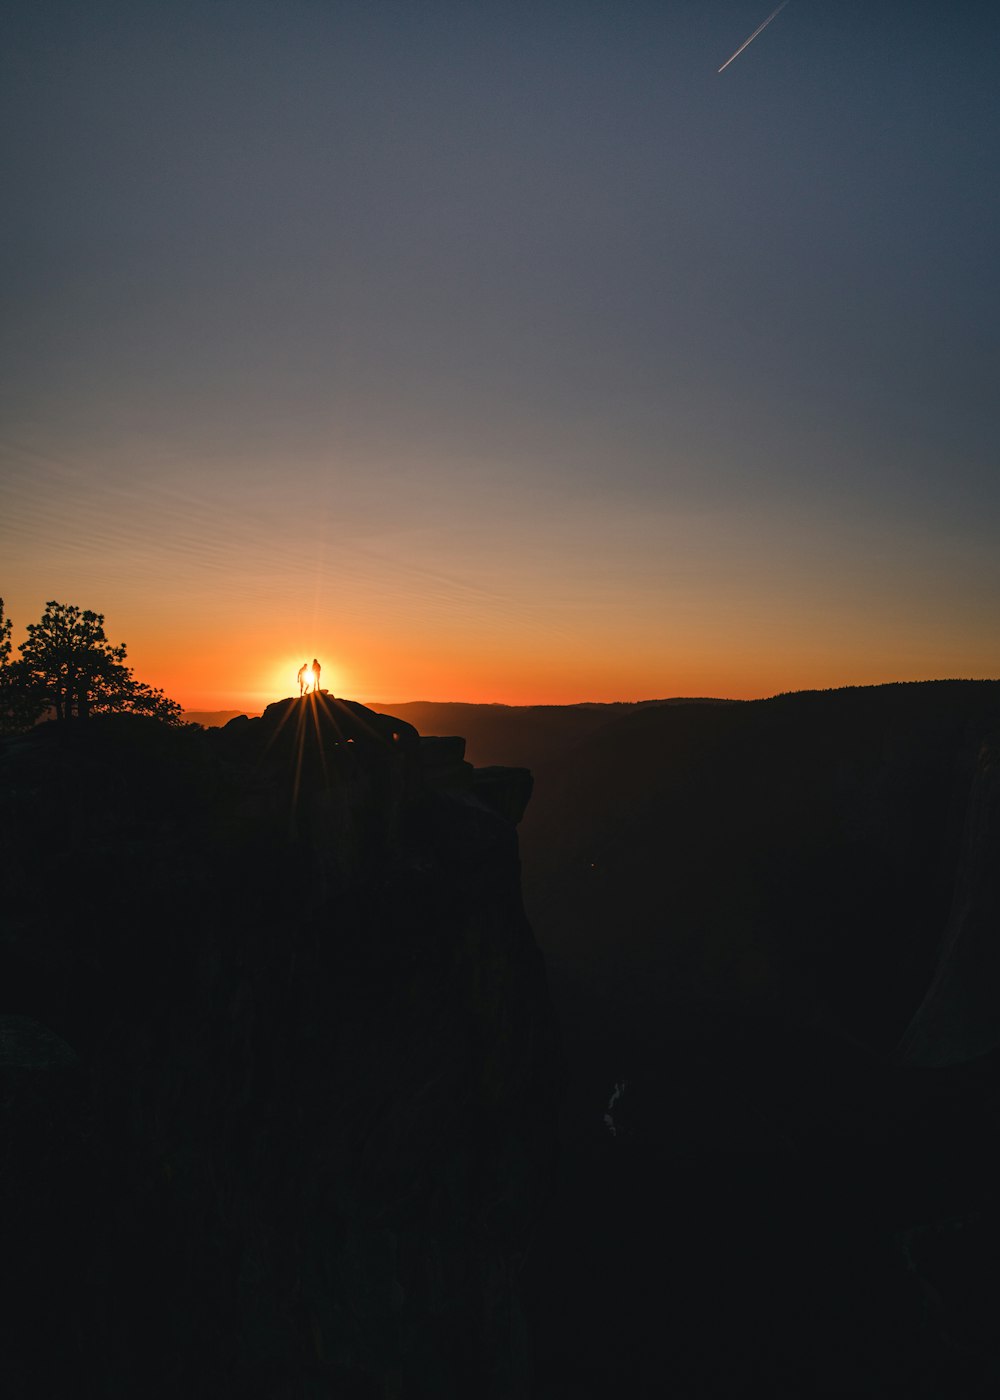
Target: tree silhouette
68,663
5,626
18,708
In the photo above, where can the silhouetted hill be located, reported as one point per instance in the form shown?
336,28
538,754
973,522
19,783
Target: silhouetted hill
528,735
277,1060
214,719
803,848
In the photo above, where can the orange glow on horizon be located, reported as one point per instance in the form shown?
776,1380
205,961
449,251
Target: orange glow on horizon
555,679
600,599
602,647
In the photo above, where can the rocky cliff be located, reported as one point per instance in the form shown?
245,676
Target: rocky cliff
278,1061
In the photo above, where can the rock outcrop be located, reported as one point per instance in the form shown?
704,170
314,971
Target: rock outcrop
279,1063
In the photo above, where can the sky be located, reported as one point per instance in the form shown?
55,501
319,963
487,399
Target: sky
504,352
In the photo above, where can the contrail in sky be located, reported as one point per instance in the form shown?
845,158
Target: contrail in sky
753,36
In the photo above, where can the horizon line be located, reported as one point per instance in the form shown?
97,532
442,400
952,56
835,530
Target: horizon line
651,700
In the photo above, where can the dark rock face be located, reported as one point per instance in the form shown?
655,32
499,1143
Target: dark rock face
772,931
279,1073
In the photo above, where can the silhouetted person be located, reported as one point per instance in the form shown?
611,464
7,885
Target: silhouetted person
302,677
315,671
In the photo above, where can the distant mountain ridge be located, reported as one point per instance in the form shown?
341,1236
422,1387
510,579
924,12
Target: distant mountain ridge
215,719
812,845
527,735
489,723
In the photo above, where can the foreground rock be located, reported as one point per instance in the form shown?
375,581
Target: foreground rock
279,1062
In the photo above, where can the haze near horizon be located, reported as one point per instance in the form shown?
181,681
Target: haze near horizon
511,355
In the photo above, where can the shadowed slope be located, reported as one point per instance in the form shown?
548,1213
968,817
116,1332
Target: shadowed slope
278,1079
529,735
803,849
741,909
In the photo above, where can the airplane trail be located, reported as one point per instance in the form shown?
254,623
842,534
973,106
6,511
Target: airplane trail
753,36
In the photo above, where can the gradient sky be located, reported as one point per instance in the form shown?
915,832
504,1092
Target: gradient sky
505,351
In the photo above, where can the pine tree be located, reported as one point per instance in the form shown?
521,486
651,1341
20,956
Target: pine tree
68,664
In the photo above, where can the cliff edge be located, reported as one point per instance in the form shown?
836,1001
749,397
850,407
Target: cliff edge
278,1060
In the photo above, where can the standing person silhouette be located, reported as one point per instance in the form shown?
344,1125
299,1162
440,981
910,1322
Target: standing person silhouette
302,677
315,671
